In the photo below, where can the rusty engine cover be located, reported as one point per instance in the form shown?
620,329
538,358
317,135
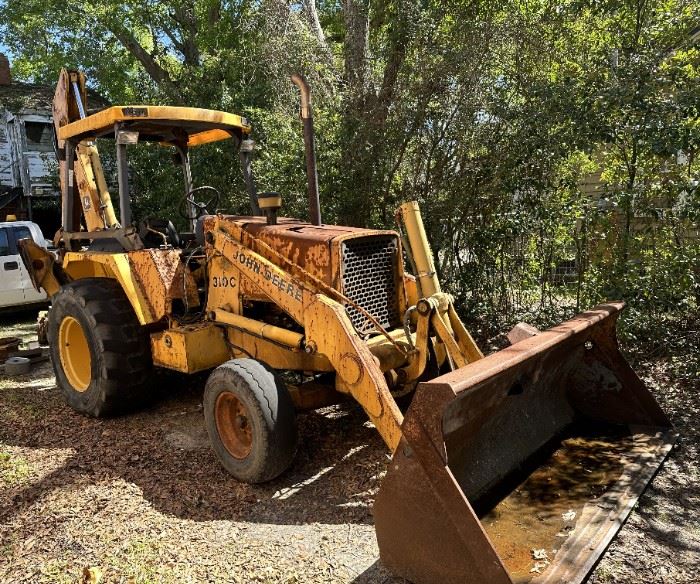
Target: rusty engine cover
363,264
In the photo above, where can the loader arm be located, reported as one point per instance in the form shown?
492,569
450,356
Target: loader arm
328,331
321,312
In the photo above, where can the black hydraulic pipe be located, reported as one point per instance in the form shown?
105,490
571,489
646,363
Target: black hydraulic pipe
308,122
184,154
68,202
123,180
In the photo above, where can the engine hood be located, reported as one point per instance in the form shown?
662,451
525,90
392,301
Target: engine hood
314,248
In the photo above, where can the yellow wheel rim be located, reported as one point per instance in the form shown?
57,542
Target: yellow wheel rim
74,352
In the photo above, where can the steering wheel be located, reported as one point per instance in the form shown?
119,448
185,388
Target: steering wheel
188,205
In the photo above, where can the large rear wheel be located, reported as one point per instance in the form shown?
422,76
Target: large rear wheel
251,420
100,353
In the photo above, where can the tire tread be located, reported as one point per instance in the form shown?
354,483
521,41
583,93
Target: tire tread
120,340
277,444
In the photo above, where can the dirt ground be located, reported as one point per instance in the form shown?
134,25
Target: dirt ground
143,498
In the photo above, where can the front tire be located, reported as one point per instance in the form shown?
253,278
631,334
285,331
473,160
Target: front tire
100,353
251,420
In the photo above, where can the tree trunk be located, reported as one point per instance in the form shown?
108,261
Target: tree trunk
316,29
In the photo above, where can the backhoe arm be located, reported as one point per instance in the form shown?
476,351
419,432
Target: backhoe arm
69,105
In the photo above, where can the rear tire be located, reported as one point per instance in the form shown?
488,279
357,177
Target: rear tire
100,353
251,420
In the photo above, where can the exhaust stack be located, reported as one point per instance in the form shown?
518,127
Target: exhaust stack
308,122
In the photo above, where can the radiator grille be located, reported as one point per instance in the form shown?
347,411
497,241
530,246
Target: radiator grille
369,278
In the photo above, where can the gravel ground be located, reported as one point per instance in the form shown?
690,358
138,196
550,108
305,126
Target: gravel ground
143,498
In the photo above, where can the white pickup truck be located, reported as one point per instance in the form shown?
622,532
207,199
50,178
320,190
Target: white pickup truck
15,285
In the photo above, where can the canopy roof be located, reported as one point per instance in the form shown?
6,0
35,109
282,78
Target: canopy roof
159,124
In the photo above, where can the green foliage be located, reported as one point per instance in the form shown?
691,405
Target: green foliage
492,115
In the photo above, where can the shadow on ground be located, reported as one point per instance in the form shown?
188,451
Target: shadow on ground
164,451
378,574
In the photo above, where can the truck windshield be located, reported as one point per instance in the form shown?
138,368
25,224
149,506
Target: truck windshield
22,233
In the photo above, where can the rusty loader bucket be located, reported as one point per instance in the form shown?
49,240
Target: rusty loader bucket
522,466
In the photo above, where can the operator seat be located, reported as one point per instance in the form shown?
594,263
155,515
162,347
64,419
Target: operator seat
148,228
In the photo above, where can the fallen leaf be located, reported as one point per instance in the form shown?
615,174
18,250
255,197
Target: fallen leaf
538,567
570,515
92,575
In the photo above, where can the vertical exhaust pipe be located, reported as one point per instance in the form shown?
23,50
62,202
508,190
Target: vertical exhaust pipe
308,122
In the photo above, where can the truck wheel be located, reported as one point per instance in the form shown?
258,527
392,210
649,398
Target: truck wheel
100,353
251,420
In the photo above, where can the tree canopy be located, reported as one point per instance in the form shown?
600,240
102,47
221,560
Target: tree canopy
490,114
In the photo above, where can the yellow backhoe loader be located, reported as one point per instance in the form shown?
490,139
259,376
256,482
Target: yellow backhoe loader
515,467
